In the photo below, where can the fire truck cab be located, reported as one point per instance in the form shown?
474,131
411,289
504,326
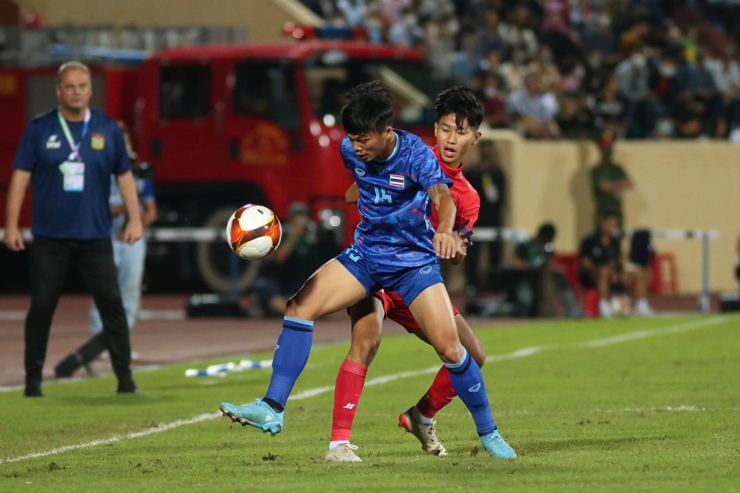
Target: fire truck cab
228,125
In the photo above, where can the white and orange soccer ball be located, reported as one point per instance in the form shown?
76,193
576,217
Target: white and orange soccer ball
253,232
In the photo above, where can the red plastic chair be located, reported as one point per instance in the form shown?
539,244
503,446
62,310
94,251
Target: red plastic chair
658,262
591,303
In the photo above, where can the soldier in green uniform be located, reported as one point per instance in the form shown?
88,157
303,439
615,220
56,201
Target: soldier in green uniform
609,181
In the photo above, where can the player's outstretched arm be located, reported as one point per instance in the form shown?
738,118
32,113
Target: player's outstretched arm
444,242
352,195
462,240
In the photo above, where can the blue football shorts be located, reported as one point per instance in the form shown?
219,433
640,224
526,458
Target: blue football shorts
408,282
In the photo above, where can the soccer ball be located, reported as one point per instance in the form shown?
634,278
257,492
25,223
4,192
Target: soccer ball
253,232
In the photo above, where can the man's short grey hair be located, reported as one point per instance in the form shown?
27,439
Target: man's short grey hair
71,66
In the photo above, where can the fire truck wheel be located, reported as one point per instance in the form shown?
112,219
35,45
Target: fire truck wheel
214,259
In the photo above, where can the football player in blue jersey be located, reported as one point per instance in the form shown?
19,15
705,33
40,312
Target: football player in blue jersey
395,248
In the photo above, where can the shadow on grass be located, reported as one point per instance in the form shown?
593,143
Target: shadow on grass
592,444
116,400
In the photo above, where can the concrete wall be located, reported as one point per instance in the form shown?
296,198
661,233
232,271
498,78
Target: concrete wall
677,185
263,18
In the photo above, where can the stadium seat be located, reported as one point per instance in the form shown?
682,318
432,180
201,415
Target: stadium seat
591,303
656,284
568,263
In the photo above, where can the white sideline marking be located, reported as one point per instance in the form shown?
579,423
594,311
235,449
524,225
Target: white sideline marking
20,315
306,394
13,315
162,315
641,334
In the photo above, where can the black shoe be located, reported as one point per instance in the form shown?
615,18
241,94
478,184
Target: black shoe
32,390
127,386
68,366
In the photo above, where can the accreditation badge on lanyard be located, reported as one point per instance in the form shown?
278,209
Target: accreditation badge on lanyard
73,168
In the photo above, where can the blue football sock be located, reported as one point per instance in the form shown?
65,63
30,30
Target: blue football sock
291,353
467,381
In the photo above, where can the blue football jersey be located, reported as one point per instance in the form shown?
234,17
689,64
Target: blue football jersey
394,205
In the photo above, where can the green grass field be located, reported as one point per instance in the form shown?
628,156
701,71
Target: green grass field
626,405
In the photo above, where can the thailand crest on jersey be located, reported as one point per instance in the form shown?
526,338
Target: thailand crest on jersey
397,181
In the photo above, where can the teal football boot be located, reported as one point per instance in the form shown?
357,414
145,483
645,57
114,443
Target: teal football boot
496,446
259,415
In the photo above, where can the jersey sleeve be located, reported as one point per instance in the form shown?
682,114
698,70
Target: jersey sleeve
345,148
468,208
26,155
425,169
121,161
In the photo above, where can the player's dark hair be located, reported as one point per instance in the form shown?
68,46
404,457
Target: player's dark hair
546,232
461,102
369,108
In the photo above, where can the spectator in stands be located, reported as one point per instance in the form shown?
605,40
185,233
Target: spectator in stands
494,102
535,255
609,181
595,46
515,31
726,75
466,65
548,74
696,89
489,180
405,31
531,111
282,274
393,9
574,119
354,11
490,35
634,82
514,70
558,38
608,108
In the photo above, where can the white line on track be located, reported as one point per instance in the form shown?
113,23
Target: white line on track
306,394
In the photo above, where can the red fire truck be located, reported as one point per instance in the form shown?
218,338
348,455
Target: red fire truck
227,125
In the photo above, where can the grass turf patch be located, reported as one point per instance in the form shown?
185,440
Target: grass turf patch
659,412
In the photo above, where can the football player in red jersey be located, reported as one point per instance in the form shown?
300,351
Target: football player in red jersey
456,130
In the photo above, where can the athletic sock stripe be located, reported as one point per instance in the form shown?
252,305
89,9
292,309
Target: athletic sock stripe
462,369
462,365
289,324
299,320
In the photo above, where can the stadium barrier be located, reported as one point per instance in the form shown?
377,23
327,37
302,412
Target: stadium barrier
482,235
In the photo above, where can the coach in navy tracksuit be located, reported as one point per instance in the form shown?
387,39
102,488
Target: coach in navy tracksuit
68,156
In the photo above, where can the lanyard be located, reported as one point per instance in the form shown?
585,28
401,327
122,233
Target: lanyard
75,147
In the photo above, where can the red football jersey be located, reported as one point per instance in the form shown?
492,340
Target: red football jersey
465,196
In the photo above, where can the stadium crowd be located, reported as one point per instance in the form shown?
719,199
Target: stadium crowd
659,69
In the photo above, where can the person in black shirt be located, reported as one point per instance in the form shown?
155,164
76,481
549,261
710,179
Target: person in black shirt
599,259
490,182
535,255
601,267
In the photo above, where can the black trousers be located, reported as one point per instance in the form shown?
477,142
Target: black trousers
51,259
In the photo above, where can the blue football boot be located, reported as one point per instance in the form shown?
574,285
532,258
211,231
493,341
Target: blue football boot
259,415
496,446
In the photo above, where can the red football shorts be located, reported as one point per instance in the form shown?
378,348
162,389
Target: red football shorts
396,310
